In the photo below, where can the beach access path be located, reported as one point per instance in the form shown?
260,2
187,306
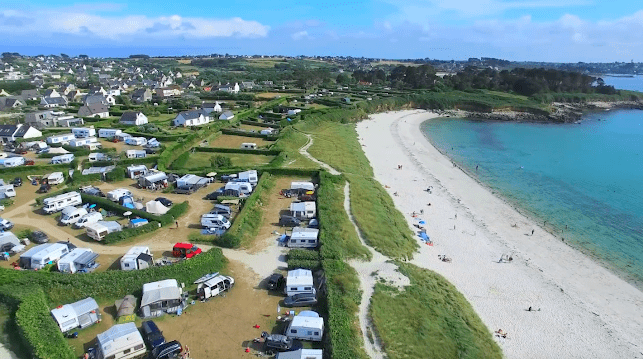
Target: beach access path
579,309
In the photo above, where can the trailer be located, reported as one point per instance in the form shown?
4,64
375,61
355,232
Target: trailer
41,255
108,132
99,230
248,146
78,260
8,240
122,341
12,161
135,153
136,171
57,203
66,158
301,187
303,238
83,132
116,194
237,189
308,325
249,176
81,314
165,296
299,281
98,156
137,258
211,285
54,178
303,210
135,141
153,180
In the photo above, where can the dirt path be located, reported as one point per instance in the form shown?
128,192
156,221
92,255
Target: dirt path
379,267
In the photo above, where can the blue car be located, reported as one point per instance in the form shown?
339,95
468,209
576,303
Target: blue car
153,336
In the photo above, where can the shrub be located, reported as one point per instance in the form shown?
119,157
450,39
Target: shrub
115,175
131,232
220,161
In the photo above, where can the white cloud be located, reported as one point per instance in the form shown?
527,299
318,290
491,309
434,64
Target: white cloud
300,35
126,27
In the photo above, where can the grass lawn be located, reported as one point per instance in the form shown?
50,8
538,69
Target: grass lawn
202,159
232,141
429,319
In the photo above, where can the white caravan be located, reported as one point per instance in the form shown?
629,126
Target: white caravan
57,203
92,217
210,220
136,258
122,341
299,281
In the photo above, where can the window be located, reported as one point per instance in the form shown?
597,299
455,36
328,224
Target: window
126,351
139,347
293,331
312,241
310,332
111,357
308,288
294,289
316,333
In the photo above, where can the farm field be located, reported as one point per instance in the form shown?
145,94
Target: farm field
202,159
232,141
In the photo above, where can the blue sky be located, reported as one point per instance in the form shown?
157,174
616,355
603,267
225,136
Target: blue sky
539,30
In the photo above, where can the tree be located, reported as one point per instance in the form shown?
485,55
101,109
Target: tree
220,161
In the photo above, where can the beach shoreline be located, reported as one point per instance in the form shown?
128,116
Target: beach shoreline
585,310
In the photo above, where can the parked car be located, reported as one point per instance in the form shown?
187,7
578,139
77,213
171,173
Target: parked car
168,350
5,224
29,163
289,221
152,334
184,190
44,188
214,195
93,191
21,151
164,201
151,151
276,342
39,237
17,182
222,210
314,223
42,150
276,281
300,300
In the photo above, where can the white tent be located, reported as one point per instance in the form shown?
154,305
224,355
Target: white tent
156,207
58,150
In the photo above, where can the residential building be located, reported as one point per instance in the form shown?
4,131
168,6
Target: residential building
51,102
10,133
93,110
191,118
133,118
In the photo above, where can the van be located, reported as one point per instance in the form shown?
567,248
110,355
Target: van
152,334
248,146
209,220
71,215
92,217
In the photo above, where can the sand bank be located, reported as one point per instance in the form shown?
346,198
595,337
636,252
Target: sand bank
581,310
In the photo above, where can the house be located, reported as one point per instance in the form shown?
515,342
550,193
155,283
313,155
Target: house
247,85
106,100
301,354
123,340
228,115
170,91
61,138
299,281
308,325
32,95
93,110
51,102
40,119
8,104
142,95
229,88
303,210
82,132
135,171
68,121
78,260
211,107
191,118
135,153
80,314
108,132
133,118
162,297
51,93
10,133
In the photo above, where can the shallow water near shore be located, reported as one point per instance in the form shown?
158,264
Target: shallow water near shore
584,183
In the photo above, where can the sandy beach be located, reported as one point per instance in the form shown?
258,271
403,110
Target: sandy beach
579,309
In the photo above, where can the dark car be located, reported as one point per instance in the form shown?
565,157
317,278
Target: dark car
93,191
300,300
289,221
150,151
39,237
276,281
153,336
44,188
222,210
17,182
164,201
184,190
168,350
277,342
214,195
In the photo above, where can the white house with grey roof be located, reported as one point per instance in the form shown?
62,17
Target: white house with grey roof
9,133
133,118
191,118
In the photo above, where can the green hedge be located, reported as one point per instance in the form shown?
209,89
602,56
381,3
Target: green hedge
238,150
41,169
115,175
257,123
234,132
131,232
180,161
303,263
303,254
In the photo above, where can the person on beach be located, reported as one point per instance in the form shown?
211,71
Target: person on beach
532,232
476,167
177,224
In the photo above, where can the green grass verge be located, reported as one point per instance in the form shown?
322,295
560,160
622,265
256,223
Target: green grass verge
429,319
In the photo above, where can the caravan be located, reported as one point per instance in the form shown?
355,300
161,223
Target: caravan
78,260
122,341
117,194
165,296
83,132
249,176
237,189
12,161
299,281
211,285
80,314
57,203
303,238
71,215
91,217
7,191
308,325
39,256
57,160
137,258
98,156
303,210
55,178
135,141
108,132
99,230
248,146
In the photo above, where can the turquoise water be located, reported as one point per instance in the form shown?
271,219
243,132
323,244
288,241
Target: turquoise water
587,177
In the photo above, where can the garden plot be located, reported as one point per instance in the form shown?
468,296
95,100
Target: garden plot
232,141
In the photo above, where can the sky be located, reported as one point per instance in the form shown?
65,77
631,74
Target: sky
519,30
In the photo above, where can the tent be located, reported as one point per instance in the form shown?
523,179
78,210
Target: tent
156,207
58,150
125,306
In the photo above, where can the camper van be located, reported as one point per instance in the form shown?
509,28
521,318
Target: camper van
249,176
248,146
92,217
137,258
80,314
99,230
116,194
122,341
7,191
303,238
308,325
210,220
39,256
57,203
57,160
78,260
238,189
211,285
299,281
71,215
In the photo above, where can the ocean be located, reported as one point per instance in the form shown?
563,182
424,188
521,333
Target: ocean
584,182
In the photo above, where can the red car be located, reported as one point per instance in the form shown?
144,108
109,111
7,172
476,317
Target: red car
29,163
185,250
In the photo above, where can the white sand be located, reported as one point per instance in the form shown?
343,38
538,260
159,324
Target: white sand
586,311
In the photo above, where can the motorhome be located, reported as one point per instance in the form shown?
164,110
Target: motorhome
78,260
83,132
210,220
99,230
165,296
91,217
308,325
303,238
299,281
57,203
137,258
116,194
67,158
12,161
71,215
249,176
81,314
248,146
41,255
237,189
301,187
122,341
211,285
108,132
